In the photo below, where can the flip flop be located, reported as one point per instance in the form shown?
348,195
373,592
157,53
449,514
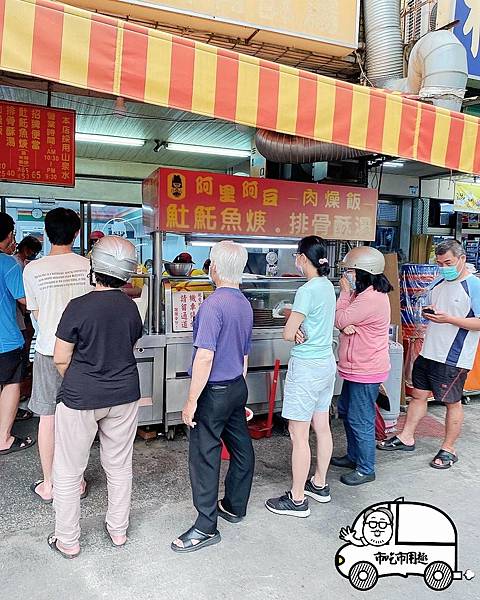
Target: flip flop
110,537
395,443
23,415
33,488
448,459
52,542
85,492
18,444
192,535
35,484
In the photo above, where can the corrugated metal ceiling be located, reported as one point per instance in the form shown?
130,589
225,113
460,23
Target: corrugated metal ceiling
96,115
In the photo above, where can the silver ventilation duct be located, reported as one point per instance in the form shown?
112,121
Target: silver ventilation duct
383,41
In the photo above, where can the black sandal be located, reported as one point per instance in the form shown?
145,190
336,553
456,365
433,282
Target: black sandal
192,535
52,542
23,415
18,444
395,443
447,459
33,488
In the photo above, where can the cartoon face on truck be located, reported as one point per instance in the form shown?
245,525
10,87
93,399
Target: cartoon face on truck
400,538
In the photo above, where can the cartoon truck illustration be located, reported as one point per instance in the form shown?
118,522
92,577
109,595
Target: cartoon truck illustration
400,538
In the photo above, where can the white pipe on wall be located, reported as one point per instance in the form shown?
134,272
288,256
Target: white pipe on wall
437,70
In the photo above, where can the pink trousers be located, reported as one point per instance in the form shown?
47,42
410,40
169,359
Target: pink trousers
75,431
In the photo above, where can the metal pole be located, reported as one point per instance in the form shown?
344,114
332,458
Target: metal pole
157,280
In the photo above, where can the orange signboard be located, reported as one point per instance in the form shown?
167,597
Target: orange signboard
181,201
37,144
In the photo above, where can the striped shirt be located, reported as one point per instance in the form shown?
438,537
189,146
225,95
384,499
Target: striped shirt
446,343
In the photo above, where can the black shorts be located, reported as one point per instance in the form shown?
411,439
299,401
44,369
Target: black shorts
11,366
444,381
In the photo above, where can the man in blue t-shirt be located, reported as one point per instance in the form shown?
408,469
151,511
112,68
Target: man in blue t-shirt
215,407
11,339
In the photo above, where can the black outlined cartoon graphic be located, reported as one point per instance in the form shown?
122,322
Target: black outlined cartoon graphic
400,538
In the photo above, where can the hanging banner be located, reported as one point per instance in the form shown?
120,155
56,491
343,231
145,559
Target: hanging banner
467,197
37,144
181,201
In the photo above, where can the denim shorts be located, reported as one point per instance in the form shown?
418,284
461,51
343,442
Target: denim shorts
308,387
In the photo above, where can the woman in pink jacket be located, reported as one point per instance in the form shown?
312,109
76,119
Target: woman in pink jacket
363,318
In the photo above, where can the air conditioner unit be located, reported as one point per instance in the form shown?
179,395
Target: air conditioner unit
419,17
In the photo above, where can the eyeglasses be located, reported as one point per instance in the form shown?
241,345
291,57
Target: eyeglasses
374,524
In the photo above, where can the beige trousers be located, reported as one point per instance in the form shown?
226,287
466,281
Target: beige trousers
75,431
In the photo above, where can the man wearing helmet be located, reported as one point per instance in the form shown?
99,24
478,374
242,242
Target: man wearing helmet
448,353
99,394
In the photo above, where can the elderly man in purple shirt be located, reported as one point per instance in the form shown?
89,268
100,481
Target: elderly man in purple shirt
216,401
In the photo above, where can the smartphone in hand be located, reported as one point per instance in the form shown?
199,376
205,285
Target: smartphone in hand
428,311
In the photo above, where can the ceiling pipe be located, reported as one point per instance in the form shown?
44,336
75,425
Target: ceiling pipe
282,148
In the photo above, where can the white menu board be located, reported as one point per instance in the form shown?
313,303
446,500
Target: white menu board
185,307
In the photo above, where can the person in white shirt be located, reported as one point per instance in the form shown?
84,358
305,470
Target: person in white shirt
447,355
50,283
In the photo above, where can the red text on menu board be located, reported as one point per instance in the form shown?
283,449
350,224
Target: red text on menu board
37,144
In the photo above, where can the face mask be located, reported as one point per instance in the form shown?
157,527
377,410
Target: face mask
299,269
449,273
351,280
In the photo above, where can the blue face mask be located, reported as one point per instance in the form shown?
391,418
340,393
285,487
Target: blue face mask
449,273
351,280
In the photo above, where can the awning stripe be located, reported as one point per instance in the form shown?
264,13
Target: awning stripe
469,143
342,116
288,86
454,148
46,54
268,86
247,91
226,88
83,49
134,61
181,74
158,69
376,119
307,90
427,129
476,155
103,42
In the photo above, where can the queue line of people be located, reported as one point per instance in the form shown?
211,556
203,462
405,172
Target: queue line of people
83,387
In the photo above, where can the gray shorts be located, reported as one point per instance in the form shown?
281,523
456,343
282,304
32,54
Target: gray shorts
45,386
308,388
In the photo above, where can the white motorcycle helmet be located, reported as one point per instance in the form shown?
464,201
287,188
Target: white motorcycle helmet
114,256
366,259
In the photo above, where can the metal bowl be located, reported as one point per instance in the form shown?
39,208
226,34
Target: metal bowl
178,269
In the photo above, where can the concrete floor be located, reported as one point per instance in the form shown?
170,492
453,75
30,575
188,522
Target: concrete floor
265,557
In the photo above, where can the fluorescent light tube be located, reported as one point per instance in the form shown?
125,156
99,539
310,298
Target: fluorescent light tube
108,139
247,245
207,150
391,164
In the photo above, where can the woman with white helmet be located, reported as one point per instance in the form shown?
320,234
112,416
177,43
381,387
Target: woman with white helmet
363,318
99,394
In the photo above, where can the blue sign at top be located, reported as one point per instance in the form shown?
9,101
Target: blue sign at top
468,32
